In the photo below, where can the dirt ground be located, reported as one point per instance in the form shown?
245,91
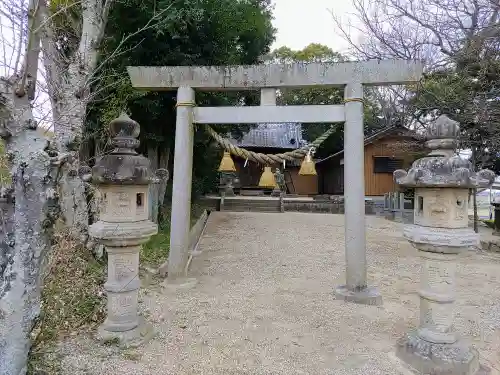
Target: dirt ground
264,304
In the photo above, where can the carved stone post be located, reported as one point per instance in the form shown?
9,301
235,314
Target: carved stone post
440,233
398,214
226,183
496,216
123,177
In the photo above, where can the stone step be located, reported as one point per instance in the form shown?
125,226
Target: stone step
252,202
226,204
251,206
253,209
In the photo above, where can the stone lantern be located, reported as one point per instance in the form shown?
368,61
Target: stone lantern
440,233
123,177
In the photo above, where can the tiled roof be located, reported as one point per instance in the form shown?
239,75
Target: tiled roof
270,135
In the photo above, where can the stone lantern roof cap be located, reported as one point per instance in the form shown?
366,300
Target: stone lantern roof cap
123,166
443,167
443,128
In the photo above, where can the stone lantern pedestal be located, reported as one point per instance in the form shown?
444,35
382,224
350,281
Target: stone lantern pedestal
123,178
226,186
440,233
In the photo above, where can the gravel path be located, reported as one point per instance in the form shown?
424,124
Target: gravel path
264,304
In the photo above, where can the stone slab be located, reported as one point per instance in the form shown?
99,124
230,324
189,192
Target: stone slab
245,77
180,283
271,114
368,296
123,234
443,237
439,359
492,245
197,230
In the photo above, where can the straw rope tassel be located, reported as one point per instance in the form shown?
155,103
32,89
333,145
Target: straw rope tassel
227,163
267,179
307,168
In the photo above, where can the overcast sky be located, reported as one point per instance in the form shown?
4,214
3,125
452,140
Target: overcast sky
302,22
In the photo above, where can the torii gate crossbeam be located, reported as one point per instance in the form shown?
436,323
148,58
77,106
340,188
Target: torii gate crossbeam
351,76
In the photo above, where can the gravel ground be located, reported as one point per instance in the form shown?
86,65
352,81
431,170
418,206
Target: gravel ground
263,304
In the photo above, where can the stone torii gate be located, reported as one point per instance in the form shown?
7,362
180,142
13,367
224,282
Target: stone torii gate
268,78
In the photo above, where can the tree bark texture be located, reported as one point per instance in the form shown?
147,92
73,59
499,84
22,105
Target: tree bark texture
28,207
474,192
164,160
69,88
154,187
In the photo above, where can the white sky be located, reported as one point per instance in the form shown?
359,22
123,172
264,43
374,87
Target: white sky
301,22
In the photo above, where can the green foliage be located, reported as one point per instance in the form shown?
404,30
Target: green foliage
315,52
72,300
469,95
184,32
312,53
444,91
155,251
489,223
5,177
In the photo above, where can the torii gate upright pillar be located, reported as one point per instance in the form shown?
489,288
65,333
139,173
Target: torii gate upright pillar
355,289
350,75
182,182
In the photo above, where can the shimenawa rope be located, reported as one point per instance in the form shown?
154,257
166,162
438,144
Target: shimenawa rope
269,159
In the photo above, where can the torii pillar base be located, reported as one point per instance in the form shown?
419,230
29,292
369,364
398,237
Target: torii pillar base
366,296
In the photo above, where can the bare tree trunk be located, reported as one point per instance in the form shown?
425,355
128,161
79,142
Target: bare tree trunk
69,84
85,150
153,157
70,91
164,159
72,189
99,148
94,199
28,207
154,187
